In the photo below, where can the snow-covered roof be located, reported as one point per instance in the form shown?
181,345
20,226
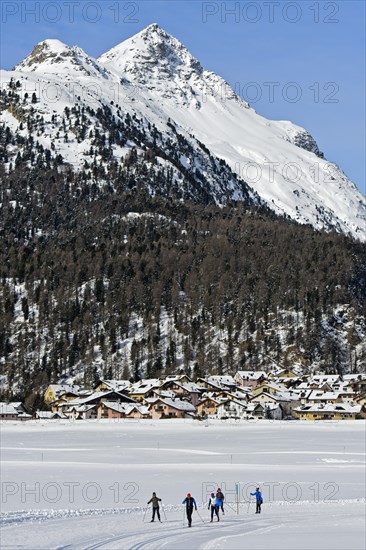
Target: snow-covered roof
175,377
243,393
116,384
322,378
144,386
96,396
85,408
115,406
47,415
221,380
318,395
251,375
330,407
17,404
271,385
272,406
8,409
177,404
141,408
288,396
253,406
206,397
188,386
64,388
164,394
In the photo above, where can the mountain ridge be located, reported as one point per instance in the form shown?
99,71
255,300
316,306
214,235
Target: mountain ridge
154,79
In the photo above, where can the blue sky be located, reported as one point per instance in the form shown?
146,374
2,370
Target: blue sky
302,61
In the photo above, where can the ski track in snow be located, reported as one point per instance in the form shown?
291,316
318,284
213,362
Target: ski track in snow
313,489
137,540
230,527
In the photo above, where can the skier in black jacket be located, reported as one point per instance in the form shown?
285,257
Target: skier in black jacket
190,503
155,506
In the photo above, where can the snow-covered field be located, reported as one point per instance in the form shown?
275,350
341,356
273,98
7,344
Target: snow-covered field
86,484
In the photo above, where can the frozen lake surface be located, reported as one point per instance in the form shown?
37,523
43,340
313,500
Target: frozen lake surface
85,485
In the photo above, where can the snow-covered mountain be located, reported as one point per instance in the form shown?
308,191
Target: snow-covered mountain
192,118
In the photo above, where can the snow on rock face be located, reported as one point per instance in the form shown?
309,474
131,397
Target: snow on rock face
48,50
158,62
149,52
155,79
279,160
300,137
53,56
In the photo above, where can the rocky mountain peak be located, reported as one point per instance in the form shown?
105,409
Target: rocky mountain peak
50,50
56,57
151,52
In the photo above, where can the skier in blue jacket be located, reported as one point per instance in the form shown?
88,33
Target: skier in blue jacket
259,500
220,500
190,502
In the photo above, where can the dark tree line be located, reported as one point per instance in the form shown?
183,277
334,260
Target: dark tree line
105,279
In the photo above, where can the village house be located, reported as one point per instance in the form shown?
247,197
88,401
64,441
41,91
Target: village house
325,379
231,409
286,373
8,412
115,410
188,390
269,388
144,389
71,408
209,386
316,396
275,411
207,406
330,411
171,408
82,412
288,400
14,411
255,411
264,398
55,391
224,382
309,385
250,378
49,415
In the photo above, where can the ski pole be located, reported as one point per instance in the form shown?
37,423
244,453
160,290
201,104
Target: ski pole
183,517
166,519
248,506
147,507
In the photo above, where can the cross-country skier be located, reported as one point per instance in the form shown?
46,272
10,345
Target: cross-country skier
214,508
220,500
259,500
190,503
155,506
